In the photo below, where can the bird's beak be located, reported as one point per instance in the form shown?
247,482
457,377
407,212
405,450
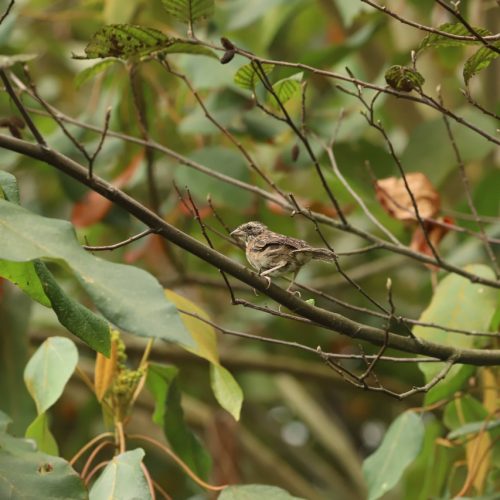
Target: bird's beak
238,235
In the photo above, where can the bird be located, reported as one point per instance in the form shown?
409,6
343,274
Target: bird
274,254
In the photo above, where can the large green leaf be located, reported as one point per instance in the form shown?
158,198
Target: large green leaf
39,431
127,296
479,61
23,274
162,383
79,320
122,479
436,40
463,410
255,492
189,11
400,446
426,476
15,309
29,474
48,371
226,390
457,303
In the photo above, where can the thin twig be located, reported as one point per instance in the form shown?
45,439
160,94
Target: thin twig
7,11
89,445
55,116
251,162
468,195
27,118
429,29
296,345
268,86
178,461
207,238
464,21
120,244
101,141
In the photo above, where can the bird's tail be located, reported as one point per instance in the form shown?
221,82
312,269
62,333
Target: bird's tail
317,253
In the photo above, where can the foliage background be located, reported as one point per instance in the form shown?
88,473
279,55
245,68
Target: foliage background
301,427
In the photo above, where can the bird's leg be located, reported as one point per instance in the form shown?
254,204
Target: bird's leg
296,292
272,270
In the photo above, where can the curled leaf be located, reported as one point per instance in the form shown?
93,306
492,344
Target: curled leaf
403,78
396,201
435,233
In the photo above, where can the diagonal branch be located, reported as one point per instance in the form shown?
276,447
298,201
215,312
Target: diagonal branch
327,319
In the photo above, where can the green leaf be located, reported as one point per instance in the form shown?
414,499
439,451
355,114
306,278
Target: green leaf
457,303
28,474
8,61
23,275
124,41
15,309
94,70
162,383
203,334
122,479
479,61
246,77
5,421
255,492
48,371
79,320
473,428
189,11
435,40
8,187
127,296
286,88
400,446
463,410
425,477
39,431
226,390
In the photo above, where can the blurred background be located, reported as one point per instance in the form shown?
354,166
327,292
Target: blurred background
302,427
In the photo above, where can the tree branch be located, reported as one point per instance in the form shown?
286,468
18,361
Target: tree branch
322,317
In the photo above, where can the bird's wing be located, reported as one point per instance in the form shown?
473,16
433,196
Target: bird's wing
279,239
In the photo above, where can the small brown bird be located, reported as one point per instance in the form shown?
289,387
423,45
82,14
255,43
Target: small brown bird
274,254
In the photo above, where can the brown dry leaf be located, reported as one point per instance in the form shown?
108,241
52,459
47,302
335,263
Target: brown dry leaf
396,201
93,207
105,369
435,232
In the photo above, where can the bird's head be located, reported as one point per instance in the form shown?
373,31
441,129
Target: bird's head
248,230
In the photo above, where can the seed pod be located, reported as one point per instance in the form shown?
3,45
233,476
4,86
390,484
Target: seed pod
227,44
295,152
228,56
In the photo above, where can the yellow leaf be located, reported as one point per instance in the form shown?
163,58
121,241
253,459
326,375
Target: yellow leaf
203,334
105,369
